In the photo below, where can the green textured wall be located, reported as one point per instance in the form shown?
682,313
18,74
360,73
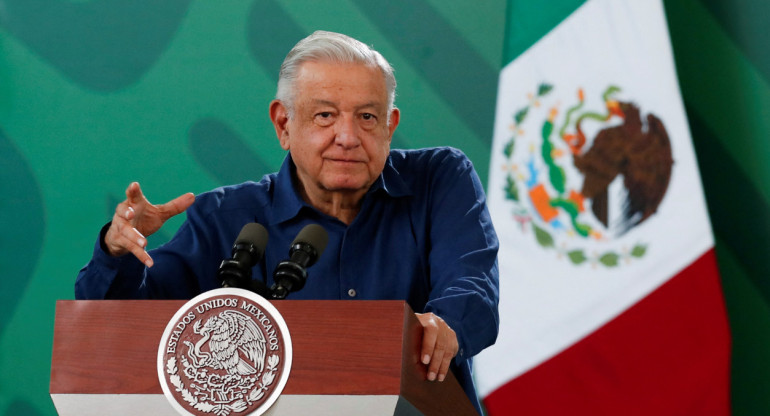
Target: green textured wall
174,94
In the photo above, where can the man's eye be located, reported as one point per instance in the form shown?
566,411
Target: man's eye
324,118
368,116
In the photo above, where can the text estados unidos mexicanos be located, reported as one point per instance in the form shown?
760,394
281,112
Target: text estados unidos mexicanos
186,320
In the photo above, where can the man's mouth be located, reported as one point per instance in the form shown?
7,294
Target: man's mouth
343,160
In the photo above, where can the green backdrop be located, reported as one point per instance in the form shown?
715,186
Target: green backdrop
97,93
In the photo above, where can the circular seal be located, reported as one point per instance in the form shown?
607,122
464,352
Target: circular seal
225,352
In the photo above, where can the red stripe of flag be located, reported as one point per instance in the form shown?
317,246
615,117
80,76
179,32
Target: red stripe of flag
666,355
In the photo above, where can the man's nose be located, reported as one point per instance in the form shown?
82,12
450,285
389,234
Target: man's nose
347,135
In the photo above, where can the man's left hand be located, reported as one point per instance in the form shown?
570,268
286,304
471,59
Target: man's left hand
439,345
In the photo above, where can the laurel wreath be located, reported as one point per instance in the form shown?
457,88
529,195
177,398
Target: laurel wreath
268,376
576,256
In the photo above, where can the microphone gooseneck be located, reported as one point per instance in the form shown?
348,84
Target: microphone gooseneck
290,275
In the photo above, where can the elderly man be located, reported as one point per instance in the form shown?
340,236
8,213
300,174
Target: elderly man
403,224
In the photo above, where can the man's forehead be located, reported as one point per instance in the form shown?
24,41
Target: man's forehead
321,71
327,83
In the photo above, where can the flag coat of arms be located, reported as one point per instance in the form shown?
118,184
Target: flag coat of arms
610,295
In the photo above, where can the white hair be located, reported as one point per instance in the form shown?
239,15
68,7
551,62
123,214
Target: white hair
322,46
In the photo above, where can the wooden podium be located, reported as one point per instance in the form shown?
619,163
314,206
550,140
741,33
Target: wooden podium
349,358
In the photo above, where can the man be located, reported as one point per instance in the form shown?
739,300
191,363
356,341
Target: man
409,225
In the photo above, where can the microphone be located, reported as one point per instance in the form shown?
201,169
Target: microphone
290,275
248,249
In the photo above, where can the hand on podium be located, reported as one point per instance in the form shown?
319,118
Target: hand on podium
136,219
439,345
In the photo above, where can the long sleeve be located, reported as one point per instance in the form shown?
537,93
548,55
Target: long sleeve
184,266
463,255
105,274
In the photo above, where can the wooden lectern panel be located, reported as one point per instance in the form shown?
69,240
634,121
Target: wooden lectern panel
345,348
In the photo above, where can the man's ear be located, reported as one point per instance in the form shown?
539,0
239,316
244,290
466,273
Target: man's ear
279,115
395,117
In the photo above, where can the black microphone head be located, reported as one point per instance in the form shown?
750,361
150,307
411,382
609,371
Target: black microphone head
254,234
290,275
248,250
315,235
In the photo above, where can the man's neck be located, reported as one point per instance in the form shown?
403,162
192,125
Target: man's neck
341,205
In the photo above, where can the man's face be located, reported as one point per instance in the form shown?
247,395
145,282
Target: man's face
338,135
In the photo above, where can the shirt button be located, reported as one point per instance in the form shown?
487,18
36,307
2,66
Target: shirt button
352,293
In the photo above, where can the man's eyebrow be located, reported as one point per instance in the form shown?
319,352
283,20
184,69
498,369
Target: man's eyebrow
370,104
322,102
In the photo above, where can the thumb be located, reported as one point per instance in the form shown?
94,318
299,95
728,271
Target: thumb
177,205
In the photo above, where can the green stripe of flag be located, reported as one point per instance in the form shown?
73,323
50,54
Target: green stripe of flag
750,327
723,88
745,21
528,21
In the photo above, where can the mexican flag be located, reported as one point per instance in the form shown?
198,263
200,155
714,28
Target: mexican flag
611,301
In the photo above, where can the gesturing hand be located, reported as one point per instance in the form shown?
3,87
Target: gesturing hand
439,345
136,218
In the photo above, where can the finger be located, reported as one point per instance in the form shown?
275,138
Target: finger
123,234
126,213
139,252
177,205
121,211
436,361
129,213
444,369
453,347
443,352
429,336
134,242
143,256
134,236
450,351
113,237
121,239
134,194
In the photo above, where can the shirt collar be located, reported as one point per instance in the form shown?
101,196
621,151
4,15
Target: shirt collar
390,181
287,202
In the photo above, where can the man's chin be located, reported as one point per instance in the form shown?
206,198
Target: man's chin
346,185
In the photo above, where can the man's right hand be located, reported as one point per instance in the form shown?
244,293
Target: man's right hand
136,219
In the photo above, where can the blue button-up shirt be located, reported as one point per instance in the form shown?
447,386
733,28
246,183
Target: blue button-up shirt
423,235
